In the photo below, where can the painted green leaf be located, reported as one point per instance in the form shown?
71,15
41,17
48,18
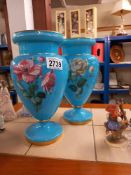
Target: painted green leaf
32,88
41,95
38,100
73,87
33,100
26,94
20,86
80,90
73,77
81,82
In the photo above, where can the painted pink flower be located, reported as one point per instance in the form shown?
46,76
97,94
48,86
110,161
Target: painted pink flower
49,81
41,59
26,70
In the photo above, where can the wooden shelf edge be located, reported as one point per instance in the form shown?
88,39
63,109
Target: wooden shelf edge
65,105
93,105
13,164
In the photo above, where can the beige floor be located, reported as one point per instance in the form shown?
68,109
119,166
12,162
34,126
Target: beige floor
85,142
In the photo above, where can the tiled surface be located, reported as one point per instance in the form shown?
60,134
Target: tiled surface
77,143
25,120
12,139
107,153
99,116
58,117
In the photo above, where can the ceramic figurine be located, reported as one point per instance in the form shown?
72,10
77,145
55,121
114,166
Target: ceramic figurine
83,72
2,124
6,103
116,123
40,75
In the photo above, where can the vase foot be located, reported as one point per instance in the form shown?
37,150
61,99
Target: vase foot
117,143
43,133
78,116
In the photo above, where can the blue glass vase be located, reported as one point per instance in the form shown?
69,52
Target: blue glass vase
39,75
83,72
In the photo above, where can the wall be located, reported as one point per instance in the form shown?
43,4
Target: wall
104,17
28,14
19,19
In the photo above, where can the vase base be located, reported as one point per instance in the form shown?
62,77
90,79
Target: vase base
44,143
78,116
78,123
43,133
116,143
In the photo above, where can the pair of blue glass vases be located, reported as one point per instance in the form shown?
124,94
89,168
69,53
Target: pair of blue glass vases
41,77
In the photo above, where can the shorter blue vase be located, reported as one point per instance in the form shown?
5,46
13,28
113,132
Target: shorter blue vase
83,72
39,75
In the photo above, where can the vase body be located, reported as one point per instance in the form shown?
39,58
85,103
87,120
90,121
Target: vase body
39,75
83,72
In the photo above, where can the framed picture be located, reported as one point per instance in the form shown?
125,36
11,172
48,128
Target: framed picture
75,23
0,58
91,22
61,22
10,82
3,76
6,58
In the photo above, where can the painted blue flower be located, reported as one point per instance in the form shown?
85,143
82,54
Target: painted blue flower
113,125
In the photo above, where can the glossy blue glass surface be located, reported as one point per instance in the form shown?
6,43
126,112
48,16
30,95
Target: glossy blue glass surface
40,88
83,72
43,131
77,115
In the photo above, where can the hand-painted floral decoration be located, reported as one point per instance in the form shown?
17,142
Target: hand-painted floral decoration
29,72
49,81
77,79
78,66
42,59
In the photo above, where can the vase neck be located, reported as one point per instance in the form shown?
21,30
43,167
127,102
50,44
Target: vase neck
38,47
76,50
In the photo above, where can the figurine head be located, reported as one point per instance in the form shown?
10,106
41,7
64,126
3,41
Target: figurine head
113,110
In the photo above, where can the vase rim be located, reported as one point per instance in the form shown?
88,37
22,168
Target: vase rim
80,40
38,31
37,35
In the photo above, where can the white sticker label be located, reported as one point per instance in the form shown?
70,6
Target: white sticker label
54,63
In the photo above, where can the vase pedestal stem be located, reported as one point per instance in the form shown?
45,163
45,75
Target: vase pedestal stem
77,116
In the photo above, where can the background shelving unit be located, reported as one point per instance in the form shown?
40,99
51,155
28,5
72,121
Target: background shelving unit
102,65
107,65
6,69
3,46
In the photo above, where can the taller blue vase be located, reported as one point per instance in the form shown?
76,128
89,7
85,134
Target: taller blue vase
39,75
83,72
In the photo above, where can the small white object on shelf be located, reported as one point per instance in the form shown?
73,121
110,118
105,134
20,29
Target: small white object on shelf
99,86
113,79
